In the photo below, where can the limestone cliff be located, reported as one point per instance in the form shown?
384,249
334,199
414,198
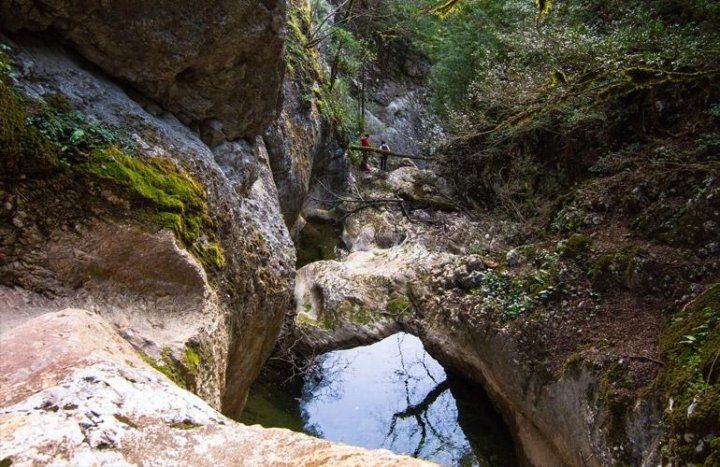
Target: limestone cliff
216,65
412,269
181,247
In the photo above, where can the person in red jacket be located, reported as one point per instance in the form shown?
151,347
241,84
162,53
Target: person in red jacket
364,142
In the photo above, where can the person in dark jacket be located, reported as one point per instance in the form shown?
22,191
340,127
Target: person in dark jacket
384,149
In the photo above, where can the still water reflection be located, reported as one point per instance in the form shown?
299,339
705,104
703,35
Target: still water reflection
393,395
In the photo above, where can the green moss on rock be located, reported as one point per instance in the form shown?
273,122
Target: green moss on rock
211,254
158,181
690,347
398,305
58,102
178,200
576,246
610,269
167,366
305,320
192,359
23,148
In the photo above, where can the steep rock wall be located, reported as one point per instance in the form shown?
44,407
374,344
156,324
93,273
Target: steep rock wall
560,419
80,241
306,155
216,64
293,141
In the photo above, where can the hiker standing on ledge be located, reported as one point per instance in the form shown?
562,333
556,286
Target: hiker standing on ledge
384,149
364,142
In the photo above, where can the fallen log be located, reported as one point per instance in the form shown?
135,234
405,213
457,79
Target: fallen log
389,153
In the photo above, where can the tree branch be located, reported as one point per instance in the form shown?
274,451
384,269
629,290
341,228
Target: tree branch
389,153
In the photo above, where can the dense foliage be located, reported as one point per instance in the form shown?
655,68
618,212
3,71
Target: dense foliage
536,97
594,120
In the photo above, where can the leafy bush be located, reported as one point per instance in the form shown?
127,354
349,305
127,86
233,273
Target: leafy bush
339,109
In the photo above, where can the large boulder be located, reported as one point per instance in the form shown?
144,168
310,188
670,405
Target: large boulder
217,64
360,300
83,242
74,392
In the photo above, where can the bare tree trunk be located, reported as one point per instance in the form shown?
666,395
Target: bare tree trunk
362,102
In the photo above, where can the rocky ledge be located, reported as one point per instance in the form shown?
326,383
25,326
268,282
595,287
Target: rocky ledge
74,392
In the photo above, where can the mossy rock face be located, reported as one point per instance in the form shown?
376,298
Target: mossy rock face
178,200
690,347
24,150
608,270
34,133
577,245
167,365
346,312
398,305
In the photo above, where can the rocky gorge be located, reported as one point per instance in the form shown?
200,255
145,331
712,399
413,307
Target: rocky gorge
163,166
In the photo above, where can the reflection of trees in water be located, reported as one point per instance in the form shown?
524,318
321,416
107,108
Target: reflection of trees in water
435,434
324,380
416,409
